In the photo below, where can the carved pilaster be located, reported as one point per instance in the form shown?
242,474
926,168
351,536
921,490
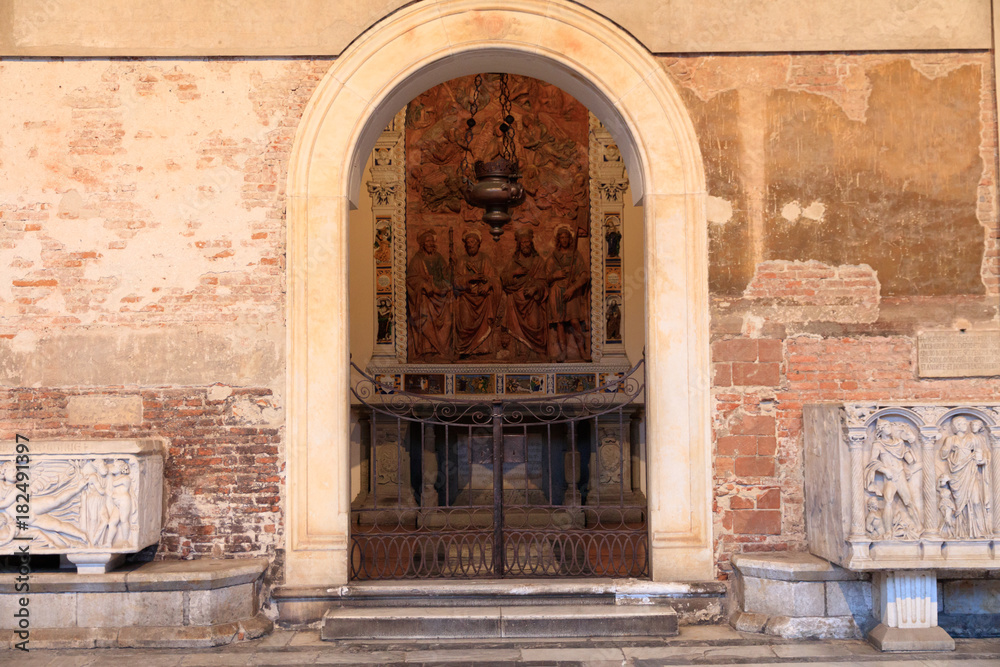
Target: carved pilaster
856,443
388,192
932,518
608,184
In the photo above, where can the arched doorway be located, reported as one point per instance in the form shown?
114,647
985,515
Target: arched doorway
617,79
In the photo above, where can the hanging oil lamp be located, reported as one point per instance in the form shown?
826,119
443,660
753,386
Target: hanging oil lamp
496,189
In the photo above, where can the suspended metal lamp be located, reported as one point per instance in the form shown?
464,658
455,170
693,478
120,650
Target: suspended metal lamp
496,189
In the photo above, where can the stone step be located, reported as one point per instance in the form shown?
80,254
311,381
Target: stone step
494,622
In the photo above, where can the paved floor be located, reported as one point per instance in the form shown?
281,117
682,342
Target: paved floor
697,645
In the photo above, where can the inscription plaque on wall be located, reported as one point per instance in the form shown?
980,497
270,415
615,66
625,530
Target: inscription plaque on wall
958,354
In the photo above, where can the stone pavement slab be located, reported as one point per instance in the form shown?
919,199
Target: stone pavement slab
698,645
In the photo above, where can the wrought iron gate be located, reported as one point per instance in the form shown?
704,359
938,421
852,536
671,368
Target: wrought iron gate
514,487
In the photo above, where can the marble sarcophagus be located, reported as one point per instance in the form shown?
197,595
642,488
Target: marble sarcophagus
903,491
92,501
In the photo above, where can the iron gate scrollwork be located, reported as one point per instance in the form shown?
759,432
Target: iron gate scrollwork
513,487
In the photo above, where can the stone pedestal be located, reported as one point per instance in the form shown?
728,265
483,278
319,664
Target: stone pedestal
92,501
906,605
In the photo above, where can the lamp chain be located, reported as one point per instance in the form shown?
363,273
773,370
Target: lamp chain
469,124
507,124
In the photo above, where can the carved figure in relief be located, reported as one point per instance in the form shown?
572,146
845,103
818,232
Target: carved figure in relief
94,511
891,474
51,494
568,278
477,292
614,320
613,236
966,452
525,289
873,521
384,315
121,508
946,506
383,242
428,294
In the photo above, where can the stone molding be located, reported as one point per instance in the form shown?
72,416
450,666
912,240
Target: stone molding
616,78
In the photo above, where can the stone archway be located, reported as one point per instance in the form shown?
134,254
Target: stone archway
618,80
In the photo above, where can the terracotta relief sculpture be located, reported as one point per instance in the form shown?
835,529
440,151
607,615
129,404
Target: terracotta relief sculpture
966,454
477,296
428,292
568,277
892,474
525,288
527,297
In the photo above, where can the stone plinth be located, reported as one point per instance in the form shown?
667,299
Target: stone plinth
799,596
907,491
907,605
92,501
204,602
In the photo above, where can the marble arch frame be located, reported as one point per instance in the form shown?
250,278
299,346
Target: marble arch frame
626,87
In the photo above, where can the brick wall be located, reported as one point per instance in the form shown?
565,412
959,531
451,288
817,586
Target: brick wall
223,468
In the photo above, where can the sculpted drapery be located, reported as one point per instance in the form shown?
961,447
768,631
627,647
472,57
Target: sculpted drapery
428,296
477,294
525,288
966,453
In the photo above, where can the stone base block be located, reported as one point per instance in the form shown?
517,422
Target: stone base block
934,638
197,603
812,627
144,637
95,563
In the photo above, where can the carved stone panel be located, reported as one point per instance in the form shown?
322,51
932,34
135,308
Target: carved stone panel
892,486
89,500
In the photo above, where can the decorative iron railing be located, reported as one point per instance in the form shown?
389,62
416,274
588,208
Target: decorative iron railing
512,487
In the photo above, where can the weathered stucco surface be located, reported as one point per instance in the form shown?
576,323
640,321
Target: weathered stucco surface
142,227
326,27
870,159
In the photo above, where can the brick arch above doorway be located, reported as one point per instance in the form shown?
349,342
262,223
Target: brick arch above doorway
618,80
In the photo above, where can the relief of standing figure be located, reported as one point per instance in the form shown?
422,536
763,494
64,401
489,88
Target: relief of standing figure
477,292
967,454
525,289
892,459
568,277
428,298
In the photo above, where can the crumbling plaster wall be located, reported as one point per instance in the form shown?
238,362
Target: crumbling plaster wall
852,204
142,223
142,242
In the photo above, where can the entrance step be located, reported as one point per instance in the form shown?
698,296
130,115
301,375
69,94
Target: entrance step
494,622
693,602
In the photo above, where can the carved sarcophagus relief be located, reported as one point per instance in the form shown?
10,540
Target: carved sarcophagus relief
902,486
92,501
